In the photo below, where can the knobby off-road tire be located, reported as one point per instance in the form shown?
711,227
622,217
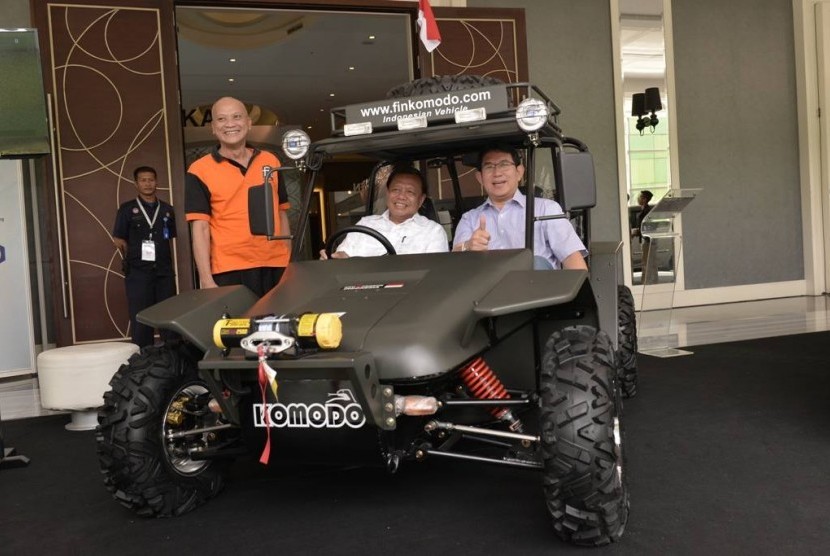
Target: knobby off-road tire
626,342
441,84
154,477
582,441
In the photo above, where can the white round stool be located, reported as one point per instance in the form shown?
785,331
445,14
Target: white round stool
75,378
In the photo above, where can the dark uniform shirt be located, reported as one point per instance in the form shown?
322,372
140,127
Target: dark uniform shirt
132,227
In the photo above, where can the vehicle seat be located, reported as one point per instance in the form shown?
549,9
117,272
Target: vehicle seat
428,210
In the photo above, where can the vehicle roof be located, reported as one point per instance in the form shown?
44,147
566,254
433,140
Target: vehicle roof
442,139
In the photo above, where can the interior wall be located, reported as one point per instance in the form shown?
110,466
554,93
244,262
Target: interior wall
111,74
738,139
571,58
15,14
735,81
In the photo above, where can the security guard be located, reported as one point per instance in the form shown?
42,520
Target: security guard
143,229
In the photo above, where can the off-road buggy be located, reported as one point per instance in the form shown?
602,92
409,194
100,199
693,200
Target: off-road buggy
470,356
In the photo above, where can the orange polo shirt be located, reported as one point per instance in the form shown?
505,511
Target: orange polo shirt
219,190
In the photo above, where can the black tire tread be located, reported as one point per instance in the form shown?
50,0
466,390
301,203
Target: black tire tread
440,84
129,438
587,503
627,342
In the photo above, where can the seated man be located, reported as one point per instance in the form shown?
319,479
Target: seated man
406,230
499,222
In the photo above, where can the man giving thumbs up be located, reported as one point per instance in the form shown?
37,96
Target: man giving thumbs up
499,222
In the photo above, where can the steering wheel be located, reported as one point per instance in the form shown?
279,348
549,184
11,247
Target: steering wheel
361,230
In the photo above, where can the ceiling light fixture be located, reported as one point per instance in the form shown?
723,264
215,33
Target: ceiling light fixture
231,59
230,80
331,94
371,37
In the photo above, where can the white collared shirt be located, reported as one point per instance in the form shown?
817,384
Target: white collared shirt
416,235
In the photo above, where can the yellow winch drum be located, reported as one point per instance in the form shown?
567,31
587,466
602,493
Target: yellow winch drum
309,330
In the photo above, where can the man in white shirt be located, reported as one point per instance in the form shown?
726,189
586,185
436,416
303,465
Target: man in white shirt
406,230
499,222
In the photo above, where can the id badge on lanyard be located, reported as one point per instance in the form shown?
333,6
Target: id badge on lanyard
148,246
148,250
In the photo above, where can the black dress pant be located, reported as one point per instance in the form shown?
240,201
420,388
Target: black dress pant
144,289
259,280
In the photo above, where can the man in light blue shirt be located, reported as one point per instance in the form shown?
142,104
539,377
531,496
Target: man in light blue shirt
499,223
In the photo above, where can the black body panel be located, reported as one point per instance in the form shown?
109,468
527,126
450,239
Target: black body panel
417,314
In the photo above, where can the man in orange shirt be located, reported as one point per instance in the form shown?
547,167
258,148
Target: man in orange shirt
219,189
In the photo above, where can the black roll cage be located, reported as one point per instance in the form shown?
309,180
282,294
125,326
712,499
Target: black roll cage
446,144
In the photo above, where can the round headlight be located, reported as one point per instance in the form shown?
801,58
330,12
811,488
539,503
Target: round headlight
295,143
532,114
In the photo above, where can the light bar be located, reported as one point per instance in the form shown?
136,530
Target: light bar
474,115
360,128
416,122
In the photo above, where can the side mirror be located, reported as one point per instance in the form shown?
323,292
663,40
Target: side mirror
261,203
578,189
261,206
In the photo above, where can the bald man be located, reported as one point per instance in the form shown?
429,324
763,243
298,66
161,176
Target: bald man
219,188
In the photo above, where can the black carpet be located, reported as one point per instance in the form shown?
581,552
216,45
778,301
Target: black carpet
728,453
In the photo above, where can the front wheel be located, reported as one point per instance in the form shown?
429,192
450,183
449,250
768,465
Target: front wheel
582,440
145,452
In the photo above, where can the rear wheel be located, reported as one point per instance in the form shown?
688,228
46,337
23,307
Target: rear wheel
627,342
582,439
148,465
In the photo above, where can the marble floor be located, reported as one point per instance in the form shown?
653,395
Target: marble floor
681,328
730,322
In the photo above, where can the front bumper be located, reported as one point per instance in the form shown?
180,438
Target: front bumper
356,368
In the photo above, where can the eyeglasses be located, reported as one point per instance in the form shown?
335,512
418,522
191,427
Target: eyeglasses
503,165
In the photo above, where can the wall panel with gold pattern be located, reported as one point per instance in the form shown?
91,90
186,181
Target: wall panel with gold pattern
110,114
480,41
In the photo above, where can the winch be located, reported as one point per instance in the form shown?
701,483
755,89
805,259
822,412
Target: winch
306,331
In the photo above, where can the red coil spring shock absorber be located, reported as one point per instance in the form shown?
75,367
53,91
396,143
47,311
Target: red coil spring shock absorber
483,384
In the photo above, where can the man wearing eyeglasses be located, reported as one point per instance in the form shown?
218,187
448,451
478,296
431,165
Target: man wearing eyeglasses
499,222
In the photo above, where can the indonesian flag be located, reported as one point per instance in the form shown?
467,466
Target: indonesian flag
429,28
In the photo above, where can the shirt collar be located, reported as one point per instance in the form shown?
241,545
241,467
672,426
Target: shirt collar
219,158
385,216
518,197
